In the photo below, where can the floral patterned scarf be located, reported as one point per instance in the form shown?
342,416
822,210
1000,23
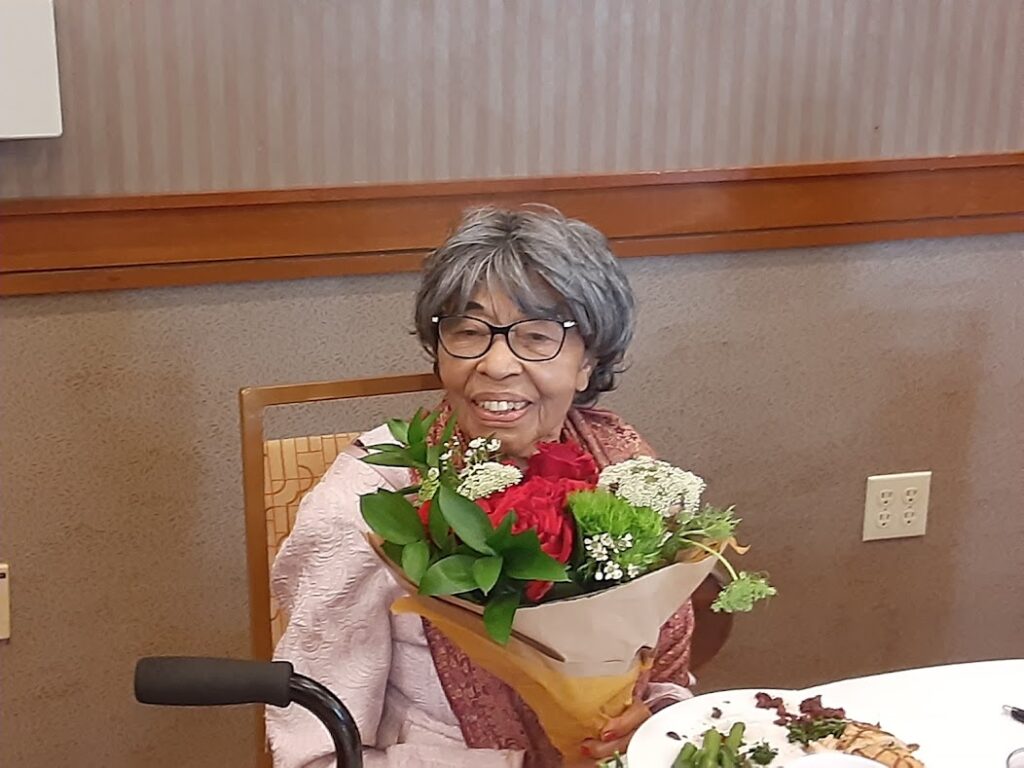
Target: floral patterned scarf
491,714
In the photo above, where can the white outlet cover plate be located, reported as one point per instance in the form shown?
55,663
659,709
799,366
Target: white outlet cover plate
896,506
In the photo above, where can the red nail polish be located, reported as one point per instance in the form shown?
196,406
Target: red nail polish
585,751
608,735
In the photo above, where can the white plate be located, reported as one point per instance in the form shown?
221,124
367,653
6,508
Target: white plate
655,745
833,761
954,712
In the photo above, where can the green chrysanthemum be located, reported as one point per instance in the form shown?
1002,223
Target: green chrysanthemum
620,541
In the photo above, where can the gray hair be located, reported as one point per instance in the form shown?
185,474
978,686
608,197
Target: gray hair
528,254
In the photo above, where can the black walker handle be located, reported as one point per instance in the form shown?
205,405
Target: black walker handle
183,681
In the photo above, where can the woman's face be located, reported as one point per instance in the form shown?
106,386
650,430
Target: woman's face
539,394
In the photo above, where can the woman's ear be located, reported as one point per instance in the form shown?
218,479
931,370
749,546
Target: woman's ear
583,376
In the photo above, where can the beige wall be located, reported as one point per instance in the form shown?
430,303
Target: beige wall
786,378
223,94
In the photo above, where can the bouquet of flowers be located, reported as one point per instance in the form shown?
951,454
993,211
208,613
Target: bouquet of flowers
555,576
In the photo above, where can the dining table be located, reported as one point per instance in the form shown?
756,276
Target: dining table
956,713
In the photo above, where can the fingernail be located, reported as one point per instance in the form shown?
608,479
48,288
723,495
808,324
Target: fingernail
608,735
585,751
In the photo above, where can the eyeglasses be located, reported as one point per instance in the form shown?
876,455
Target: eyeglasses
531,340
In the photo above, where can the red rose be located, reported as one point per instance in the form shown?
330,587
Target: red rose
562,460
539,504
425,513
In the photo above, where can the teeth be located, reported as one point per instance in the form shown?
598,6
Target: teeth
501,406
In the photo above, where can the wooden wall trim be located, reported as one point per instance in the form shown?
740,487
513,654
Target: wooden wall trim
86,244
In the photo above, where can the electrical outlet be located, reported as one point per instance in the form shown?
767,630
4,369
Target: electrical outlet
896,506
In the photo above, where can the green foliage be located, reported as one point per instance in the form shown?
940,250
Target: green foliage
529,563
714,523
499,614
392,517
415,559
806,730
451,575
459,552
486,571
600,511
742,592
438,527
762,753
466,519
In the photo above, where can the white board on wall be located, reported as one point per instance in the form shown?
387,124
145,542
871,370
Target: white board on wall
29,84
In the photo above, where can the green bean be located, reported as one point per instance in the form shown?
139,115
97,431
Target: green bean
712,745
685,757
735,738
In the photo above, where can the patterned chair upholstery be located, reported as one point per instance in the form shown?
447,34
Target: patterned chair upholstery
291,466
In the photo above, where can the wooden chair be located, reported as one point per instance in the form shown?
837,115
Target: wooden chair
277,473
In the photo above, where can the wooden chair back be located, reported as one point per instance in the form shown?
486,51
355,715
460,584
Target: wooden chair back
276,475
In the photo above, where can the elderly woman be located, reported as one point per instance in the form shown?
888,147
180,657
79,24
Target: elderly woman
526,315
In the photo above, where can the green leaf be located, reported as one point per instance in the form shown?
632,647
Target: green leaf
433,455
391,517
502,538
450,576
533,565
415,559
391,459
499,615
486,571
399,430
438,526
393,551
418,453
428,422
741,593
466,518
525,540
416,431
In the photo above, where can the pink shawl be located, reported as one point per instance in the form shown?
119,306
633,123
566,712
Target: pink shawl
491,714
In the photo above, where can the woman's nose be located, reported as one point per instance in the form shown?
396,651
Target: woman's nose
499,362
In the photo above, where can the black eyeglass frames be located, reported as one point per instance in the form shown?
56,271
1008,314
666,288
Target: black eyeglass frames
532,340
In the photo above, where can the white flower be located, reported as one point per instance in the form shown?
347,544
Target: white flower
494,445
603,550
596,548
487,477
647,482
476,443
429,486
609,571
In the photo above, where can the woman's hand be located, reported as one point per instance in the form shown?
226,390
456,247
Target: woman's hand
617,733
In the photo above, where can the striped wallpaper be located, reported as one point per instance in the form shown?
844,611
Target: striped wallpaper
184,95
